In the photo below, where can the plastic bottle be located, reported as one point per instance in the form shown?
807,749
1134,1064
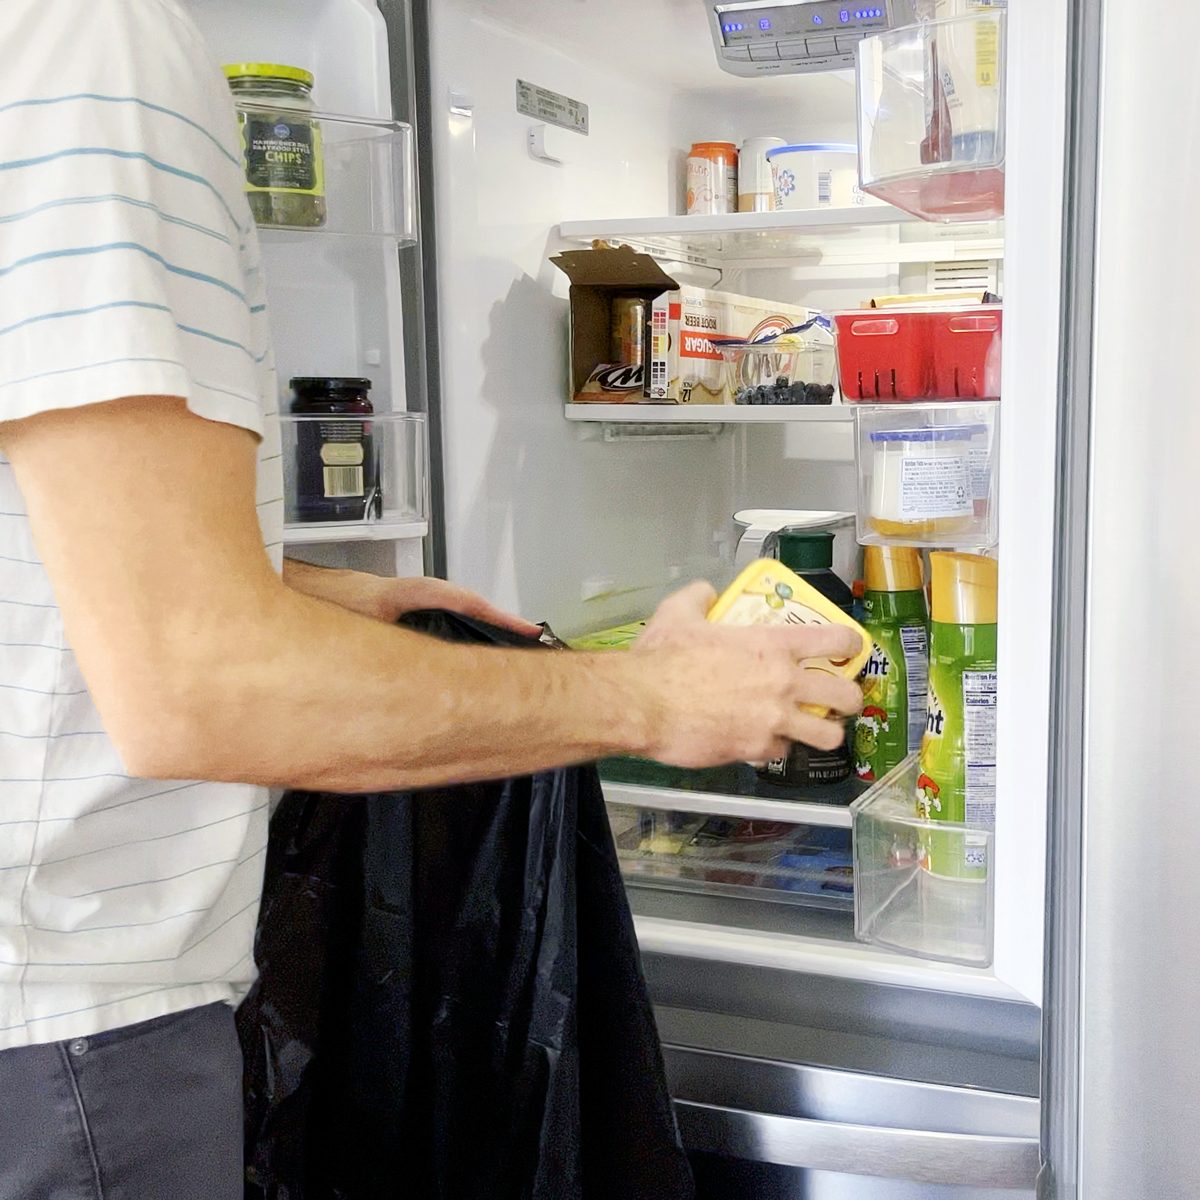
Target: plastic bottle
957,780
809,554
896,679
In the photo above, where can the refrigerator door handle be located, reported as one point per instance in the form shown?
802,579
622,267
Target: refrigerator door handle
917,1155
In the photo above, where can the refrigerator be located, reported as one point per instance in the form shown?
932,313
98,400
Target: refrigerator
491,135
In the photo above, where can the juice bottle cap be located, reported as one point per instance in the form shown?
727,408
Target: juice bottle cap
893,569
964,588
805,550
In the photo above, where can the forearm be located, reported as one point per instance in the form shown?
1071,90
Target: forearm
303,694
353,590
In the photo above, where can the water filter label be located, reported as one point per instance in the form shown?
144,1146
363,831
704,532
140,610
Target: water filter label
935,486
979,744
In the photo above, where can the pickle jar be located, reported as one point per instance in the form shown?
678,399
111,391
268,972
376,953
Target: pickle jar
281,143
337,458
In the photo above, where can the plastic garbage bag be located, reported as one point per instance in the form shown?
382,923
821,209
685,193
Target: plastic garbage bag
450,1002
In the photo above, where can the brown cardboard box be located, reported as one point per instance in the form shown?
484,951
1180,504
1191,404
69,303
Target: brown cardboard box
597,276
682,365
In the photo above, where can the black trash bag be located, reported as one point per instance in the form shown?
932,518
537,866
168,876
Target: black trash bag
450,1003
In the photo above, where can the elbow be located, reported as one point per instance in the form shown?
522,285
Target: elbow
171,726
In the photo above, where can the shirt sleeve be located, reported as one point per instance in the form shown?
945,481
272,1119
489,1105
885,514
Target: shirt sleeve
124,229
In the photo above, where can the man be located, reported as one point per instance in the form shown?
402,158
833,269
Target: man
147,635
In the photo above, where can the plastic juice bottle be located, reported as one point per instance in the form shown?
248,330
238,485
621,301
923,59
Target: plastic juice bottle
957,780
896,679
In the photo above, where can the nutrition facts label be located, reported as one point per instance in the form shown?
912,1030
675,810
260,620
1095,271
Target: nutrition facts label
915,643
935,486
552,107
979,738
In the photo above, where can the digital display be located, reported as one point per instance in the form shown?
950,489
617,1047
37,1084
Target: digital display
777,23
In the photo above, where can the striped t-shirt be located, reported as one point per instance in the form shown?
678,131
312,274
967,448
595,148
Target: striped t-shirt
129,266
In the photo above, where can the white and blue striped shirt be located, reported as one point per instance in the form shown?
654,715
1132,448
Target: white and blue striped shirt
129,266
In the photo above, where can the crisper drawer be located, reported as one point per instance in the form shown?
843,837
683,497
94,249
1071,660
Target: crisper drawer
759,1129
757,856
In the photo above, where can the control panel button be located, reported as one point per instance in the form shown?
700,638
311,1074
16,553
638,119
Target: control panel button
847,43
737,53
794,49
821,47
764,52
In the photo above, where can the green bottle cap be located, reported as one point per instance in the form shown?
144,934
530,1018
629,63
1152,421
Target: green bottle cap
805,550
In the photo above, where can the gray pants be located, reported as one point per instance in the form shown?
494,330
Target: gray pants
150,1112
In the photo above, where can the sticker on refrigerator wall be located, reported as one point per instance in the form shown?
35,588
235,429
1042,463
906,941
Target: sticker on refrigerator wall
552,107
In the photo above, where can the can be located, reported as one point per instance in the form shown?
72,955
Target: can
629,317
712,178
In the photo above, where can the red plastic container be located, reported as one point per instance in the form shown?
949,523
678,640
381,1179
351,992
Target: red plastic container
890,356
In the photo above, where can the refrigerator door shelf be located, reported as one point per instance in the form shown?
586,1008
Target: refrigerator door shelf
367,168
355,478
923,887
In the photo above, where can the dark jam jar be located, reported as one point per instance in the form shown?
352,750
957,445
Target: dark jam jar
337,463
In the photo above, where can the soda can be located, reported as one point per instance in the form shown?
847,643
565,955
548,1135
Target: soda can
629,316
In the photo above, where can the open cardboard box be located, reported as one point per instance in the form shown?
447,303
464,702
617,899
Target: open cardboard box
682,367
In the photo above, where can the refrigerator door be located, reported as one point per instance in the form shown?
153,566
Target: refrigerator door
1123,1089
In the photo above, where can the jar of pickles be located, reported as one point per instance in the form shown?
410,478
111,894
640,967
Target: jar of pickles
285,168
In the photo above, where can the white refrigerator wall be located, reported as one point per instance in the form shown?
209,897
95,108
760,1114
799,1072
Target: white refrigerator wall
542,515
536,516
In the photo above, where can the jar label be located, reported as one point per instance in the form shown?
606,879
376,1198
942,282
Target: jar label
283,155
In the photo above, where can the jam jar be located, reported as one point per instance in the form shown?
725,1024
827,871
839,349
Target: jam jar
337,459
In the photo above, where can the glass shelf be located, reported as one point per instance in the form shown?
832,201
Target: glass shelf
828,237
351,478
368,177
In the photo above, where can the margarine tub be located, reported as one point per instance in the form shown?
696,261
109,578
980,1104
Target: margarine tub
767,593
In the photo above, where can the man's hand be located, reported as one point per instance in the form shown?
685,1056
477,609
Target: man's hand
389,599
733,695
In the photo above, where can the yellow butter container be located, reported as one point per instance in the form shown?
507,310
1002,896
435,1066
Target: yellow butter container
768,593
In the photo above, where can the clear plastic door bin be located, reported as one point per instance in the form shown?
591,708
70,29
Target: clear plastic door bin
921,887
927,475
340,470
931,117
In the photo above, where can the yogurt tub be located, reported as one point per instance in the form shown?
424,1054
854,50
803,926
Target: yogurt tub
927,483
814,175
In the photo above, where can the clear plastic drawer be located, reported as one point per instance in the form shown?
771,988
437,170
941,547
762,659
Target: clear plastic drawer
758,859
928,475
341,471
931,117
921,887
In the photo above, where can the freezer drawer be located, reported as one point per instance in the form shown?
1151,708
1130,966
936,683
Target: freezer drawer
762,1128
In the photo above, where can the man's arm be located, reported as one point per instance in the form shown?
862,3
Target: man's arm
205,665
389,599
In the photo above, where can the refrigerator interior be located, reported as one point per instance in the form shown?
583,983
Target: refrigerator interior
572,523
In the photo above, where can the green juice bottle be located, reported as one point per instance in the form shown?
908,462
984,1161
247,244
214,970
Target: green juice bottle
896,678
957,780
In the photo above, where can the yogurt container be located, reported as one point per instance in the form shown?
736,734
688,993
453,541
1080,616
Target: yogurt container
924,481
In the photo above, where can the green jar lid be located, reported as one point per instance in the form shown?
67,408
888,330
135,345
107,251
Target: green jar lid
805,549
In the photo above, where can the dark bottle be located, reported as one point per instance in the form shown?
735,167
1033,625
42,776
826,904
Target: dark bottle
810,554
337,463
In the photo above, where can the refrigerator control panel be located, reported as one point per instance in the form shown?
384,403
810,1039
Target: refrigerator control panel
766,37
